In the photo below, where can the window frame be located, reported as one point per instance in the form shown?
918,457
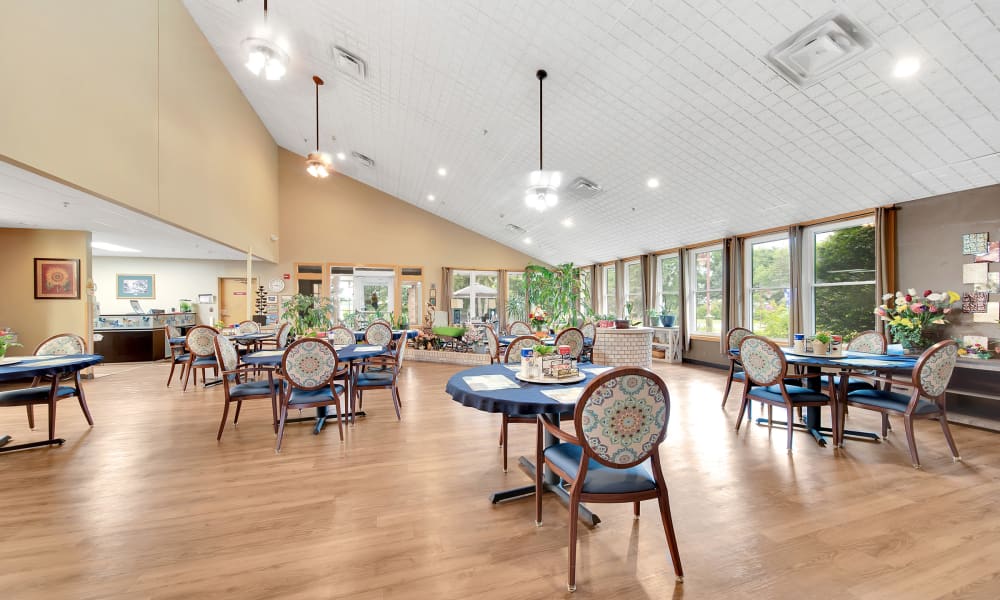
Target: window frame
748,288
691,281
659,279
808,285
605,309
641,302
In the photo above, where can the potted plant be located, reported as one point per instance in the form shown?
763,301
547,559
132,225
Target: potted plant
821,343
185,306
654,317
307,314
557,291
669,311
908,316
8,339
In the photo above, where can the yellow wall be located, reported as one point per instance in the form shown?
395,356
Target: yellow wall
126,99
35,320
339,219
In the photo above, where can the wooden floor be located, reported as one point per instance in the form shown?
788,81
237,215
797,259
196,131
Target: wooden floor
147,505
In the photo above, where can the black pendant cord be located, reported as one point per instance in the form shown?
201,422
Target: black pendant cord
318,83
541,74
265,10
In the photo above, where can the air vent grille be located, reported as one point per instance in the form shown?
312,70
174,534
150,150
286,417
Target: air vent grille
365,160
350,64
585,188
825,46
514,228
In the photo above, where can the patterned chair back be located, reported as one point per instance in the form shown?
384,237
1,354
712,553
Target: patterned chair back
342,336
492,344
934,368
201,340
174,331
62,343
400,352
226,354
387,323
378,334
514,349
871,342
589,330
519,328
622,416
763,361
246,327
572,337
735,336
282,338
309,363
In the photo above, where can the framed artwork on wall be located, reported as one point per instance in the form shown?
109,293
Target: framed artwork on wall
272,299
136,286
57,278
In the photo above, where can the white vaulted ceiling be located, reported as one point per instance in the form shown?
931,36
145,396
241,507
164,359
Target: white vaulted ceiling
670,89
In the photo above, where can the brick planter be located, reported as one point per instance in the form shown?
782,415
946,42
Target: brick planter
444,356
624,347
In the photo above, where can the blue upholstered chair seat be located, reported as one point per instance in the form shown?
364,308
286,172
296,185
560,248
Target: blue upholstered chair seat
795,392
370,378
39,392
310,396
182,358
205,360
739,376
854,384
891,400
255,388
600,479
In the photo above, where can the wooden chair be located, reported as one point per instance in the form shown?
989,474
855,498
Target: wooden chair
513,355
765,367
247,327
572,337
200,345
869,342
589,331
733,338
309,366
280,339
177,354
342,336
237,388
385,378
927,400
378,333
61,344
492,345
519,328
620,422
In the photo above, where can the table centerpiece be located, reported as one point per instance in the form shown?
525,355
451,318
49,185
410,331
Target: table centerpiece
909,316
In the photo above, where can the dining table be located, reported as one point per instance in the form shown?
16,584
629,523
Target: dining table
351,354
846,363
359,336
28,367
496,389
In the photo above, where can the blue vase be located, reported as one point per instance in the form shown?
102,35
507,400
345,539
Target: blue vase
667,320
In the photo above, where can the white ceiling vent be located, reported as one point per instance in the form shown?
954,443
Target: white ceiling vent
350,64
822,48
365,160
584,187
514,228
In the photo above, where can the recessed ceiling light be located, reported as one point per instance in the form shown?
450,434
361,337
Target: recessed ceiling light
442,171
906,66
527,240
112,247
430,197
341,156
567,222
653,182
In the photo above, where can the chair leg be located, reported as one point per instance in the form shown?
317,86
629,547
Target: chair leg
668,528
885,426
503,438
52,419
395,402
635,510
84,407
274,412
31,416
501,433
225,414
911,441
791,429
729,383
187,375
770,419
340,418
539,473
743,408
281,426
236,417
574,523
173,365
943,419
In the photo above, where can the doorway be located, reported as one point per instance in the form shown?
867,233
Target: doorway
233,299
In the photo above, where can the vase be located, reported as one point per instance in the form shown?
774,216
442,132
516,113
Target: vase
819,348
667,320
913,346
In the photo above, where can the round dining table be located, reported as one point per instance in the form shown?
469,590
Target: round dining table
349,354
496,389
28,367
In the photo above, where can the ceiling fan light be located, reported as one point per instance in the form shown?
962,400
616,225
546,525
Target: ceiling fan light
318,165
255,62
551,199
265,57
274,70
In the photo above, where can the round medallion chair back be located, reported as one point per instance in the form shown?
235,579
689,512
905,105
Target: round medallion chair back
733,339
622,416
309,363
934,369
226,354
572,337
246,327
519,328
283,331
589,330
201,341
492,344
174,331
870,342
763,362
342,336
735,336
378,334
513,354
62,343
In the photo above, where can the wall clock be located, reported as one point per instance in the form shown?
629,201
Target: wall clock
276,285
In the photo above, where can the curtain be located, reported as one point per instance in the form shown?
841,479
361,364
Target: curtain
795,243
885,256
595,289
502,300
647,262
619,288
732,288
444,298
682,322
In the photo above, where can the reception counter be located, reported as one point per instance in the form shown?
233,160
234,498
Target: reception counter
136,338
631,347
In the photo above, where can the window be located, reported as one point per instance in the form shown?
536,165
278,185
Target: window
359,295
668,284
585,299
633,290
517,295
609,299
342,293
768,286
705,291
473,296
838,273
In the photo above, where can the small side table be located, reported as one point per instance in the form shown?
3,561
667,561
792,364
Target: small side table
668,339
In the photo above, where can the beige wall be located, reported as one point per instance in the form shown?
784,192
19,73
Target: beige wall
34,320
126,99
342,220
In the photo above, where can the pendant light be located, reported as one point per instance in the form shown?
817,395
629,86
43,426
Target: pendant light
318,163
265,57
543,186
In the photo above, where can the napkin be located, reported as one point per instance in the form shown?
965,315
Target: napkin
479,383
564,395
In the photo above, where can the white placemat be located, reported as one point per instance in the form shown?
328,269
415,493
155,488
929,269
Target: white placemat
564,395
268,353
367,348
597,370
479,383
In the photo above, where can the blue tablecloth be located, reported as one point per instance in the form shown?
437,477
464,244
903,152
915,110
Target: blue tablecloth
41,366
396,333
505,340
852,360
525,400
272,358
244,337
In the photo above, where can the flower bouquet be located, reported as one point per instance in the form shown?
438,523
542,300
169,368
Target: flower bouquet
909,314
977,351
538,318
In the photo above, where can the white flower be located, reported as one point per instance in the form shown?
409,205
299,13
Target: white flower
887,296
911,292
935,297
900,294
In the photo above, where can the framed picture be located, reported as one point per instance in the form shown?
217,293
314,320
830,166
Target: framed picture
272,299
136,286
57,278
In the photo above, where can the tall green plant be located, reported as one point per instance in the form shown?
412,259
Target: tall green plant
557,291
307,313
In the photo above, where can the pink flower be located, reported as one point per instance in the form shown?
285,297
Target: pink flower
946,311
932,308
917,308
